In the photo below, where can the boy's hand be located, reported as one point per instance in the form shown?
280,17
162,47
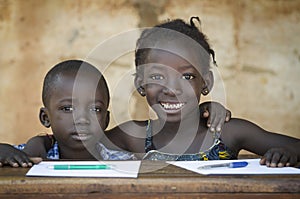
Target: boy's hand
13,157
216,115
279,157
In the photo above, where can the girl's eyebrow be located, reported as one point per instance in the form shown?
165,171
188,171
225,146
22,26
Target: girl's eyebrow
161,66
187,67
158,66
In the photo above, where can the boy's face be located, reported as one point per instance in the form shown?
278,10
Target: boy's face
77,109
172,85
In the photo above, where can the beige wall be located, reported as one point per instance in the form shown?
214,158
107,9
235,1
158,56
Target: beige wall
257,45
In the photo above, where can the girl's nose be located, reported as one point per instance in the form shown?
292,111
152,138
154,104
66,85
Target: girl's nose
172,88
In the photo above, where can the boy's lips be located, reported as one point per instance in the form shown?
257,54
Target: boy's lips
81,136
172,106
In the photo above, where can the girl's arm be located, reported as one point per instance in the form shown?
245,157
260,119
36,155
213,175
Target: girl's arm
283,155
277,150
216,115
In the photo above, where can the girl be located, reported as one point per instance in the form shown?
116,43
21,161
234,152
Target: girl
172,71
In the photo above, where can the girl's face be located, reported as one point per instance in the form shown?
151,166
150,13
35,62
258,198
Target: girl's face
77,110
172,85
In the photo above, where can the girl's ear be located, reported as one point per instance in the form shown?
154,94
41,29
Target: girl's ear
208,83
44,118
138,82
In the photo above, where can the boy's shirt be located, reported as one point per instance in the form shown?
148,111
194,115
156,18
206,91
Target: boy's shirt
105,153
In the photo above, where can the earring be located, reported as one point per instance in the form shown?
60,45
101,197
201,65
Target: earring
141,91
205,91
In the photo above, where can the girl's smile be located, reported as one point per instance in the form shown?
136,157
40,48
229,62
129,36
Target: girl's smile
172,106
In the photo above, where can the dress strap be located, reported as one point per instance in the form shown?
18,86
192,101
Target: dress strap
149,139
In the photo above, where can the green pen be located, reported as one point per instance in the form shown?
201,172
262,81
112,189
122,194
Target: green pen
81,167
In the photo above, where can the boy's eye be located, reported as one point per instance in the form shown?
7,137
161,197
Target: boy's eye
95,109
67,108
188,76
156,77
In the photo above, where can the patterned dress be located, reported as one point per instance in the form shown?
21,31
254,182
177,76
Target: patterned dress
218,151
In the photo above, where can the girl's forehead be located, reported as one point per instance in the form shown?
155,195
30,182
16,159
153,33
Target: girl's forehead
190,51
163,59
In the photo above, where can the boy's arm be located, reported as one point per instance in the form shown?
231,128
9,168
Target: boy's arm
9,155
216,115
33,152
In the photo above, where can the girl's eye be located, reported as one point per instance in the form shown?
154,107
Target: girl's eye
67,108
188,76
156,77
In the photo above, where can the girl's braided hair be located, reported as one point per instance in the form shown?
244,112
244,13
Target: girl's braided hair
153,35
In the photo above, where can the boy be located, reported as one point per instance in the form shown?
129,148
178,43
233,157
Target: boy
76,98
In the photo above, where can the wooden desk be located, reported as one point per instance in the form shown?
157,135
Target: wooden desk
166,182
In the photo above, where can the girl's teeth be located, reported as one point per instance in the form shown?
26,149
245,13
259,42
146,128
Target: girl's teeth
172,105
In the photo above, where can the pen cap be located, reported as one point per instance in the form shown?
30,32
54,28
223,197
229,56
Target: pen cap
238,164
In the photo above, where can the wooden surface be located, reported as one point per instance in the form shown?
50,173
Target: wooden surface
156,180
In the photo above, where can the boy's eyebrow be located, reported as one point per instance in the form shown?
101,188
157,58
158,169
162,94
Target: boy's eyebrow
101,101
72,99
66,100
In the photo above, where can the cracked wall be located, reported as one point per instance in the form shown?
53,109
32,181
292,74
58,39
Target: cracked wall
257,47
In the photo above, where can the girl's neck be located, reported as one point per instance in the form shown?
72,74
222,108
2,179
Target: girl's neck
191,122
177,137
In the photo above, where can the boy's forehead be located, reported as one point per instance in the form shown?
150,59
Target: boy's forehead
80,83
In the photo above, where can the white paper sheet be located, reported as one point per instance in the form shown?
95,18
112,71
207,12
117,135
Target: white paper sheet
121,169
253,167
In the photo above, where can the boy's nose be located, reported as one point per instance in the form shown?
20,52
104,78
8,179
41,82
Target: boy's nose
81,117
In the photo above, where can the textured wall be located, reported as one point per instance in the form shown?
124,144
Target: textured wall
257,48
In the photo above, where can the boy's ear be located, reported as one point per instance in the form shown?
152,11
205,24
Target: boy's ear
138,82
209,83
107,119
44,118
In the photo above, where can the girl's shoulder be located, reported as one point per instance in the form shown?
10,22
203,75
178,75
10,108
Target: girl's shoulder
238,131
239,125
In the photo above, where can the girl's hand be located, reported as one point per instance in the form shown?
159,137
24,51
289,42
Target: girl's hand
279,157
216,115
13,157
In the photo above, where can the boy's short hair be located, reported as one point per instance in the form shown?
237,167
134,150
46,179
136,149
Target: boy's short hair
69,66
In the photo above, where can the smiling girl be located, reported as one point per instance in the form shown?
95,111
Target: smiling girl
172,71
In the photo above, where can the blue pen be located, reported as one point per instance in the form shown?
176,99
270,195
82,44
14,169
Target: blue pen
228,165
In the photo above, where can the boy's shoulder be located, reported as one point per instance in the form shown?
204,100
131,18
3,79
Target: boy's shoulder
38,146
